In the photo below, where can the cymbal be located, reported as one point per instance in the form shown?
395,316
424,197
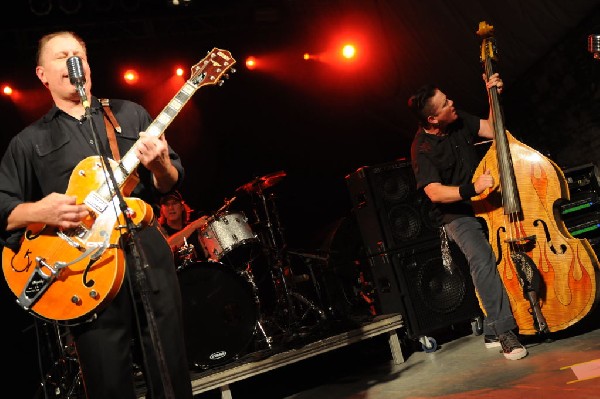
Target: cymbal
263,182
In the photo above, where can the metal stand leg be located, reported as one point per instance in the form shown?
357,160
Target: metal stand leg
250,278
63,379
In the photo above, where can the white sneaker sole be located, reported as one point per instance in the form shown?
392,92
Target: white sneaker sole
516,354
491,345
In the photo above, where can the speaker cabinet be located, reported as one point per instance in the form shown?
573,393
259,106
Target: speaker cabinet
414,283
390,212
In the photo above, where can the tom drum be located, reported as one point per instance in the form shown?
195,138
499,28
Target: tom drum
228,238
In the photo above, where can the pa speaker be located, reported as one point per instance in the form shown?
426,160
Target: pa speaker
391,213
414,283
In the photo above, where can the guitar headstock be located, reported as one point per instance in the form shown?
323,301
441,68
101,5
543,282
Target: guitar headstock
211,69
488,43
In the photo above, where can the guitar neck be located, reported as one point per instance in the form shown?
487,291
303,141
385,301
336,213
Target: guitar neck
207,72
157,128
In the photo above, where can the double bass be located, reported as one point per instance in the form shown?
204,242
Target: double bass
550,277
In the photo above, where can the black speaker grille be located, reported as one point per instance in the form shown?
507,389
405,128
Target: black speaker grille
406,222
440,291
396,187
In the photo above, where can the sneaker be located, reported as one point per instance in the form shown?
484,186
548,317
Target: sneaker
511,347
491,341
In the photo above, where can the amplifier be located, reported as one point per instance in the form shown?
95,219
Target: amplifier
586,225
584,178
580,201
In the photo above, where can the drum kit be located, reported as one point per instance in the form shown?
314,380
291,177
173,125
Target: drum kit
243,299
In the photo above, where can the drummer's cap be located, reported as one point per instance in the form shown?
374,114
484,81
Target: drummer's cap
175,195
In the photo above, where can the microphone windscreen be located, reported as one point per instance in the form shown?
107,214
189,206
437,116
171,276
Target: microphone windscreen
75,69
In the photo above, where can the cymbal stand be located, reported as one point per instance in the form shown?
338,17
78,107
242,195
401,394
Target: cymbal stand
308,259
289,302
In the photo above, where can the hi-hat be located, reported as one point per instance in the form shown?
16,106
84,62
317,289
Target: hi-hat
263,182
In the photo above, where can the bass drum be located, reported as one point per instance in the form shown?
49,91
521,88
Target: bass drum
220,313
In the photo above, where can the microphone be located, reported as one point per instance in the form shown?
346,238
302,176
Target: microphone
77,78
594,45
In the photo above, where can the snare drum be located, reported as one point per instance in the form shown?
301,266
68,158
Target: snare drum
228,238
220,313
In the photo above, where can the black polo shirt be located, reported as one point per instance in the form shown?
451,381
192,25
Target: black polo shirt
450,160
41,158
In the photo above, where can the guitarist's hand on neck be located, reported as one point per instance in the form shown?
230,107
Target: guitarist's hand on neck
153,153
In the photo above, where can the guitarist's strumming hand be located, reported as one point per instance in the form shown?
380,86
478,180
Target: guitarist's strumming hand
153,153
55,209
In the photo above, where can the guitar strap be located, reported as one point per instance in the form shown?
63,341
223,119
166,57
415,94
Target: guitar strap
111,126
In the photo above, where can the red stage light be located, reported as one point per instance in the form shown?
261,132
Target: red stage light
7,90
179,71
131,76
251,63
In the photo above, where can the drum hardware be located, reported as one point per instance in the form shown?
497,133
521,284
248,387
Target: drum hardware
292,309
187,254
308,261
247,274
63,379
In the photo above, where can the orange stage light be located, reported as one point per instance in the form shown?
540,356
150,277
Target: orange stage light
7,90
179,71
251,63
131,76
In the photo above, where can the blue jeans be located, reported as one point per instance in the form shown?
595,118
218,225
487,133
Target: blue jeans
467,232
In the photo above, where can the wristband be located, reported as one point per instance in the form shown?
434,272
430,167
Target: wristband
467,190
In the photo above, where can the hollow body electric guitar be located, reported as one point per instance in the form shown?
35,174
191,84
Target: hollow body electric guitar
67,275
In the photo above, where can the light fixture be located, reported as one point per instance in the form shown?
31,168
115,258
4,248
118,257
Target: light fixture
40,7
69,7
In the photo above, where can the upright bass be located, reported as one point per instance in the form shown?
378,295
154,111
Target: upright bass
550,277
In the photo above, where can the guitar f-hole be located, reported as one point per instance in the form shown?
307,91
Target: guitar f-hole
84,278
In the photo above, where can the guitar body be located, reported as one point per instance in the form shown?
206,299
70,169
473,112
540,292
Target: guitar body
567,266
76,291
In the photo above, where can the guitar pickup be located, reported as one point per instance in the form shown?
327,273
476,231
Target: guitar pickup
96,202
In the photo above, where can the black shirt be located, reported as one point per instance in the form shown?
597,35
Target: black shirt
197,253
450,160
41,158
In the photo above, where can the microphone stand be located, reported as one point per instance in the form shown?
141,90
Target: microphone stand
140,265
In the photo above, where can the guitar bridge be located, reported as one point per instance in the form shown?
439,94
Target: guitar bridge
37,284
520,240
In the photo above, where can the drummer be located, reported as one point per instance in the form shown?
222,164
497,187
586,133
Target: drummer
181,228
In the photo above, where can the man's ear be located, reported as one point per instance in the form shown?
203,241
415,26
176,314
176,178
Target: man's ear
39,71
432,120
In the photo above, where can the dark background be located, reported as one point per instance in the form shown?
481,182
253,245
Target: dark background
315,121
